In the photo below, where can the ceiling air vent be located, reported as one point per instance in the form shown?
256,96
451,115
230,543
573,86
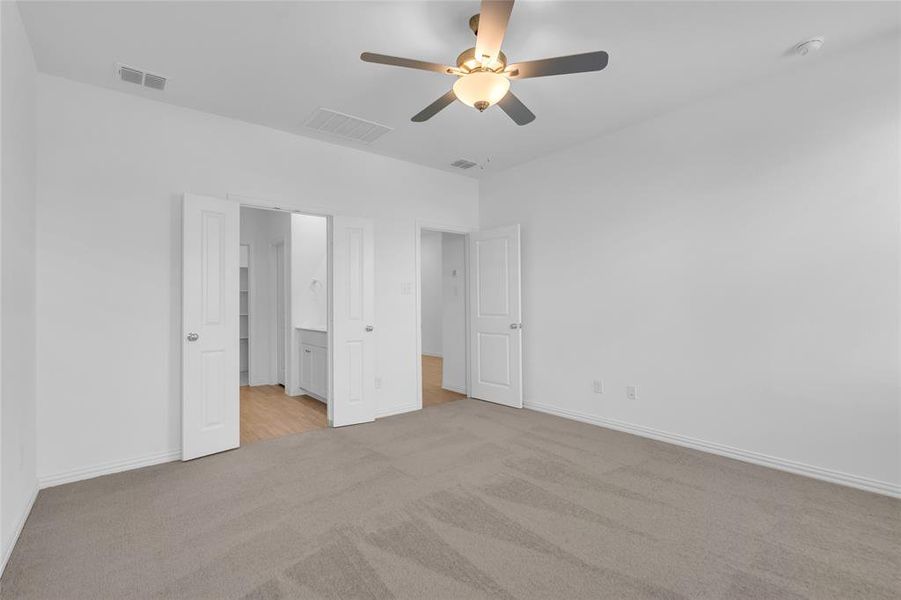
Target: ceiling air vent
139,77
346,126
154,81
131,75
463,164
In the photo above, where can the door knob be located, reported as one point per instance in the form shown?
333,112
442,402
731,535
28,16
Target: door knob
193,337
369,328
515,325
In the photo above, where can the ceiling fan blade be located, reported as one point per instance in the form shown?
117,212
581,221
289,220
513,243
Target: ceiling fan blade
562,65
435,107
516,110
493,17
395,61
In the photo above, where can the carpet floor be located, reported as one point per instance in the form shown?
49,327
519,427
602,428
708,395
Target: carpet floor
483,502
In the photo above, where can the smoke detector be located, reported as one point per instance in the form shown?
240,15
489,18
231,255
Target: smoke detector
808,46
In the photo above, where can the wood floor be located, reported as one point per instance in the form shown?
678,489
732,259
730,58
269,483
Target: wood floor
266,413
432,392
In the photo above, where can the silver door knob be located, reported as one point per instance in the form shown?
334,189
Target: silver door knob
193,337
369,328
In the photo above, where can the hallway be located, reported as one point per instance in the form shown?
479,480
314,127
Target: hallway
432,392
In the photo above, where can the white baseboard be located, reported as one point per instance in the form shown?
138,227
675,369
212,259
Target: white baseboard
20,524
316,397
118,466
395,410
454,388
863,483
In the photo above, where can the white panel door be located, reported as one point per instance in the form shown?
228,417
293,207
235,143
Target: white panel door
352,398
496,330
210,361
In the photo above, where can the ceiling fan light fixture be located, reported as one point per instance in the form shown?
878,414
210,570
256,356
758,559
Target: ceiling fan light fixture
483,73
481,89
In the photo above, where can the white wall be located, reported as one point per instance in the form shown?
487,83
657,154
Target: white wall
18,483
453,316
111,170
737,259
431,301
309,272
260,230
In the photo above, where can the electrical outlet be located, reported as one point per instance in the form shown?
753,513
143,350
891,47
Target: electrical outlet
632,392
598,386
378,383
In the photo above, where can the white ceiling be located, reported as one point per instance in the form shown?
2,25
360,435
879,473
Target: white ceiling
274,63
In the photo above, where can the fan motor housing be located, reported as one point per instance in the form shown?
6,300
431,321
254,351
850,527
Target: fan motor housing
468,63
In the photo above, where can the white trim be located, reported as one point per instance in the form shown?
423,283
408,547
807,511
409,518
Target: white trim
454,388
847,479
396,410
274,246
304,392
116,466
20,525
285,205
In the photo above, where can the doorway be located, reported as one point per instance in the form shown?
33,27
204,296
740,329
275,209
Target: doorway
442,316
283,320
331,321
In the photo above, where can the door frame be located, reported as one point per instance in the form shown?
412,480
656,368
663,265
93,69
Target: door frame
294,207
417,293
274,247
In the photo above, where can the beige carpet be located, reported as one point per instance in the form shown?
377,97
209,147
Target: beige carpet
484,502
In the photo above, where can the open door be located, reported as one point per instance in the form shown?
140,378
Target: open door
496,330
352,397
210,396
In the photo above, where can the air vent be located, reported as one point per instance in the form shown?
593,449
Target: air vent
131,75
463,164
154,81
139,77
345,126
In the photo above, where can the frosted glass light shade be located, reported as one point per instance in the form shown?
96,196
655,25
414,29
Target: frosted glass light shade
481,87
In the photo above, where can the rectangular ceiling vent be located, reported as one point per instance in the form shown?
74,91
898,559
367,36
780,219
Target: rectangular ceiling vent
463,164
140,77
345,126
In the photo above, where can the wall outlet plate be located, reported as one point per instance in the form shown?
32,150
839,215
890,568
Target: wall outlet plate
597,386
632,392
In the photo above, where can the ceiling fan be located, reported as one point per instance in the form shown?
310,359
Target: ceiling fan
483,72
